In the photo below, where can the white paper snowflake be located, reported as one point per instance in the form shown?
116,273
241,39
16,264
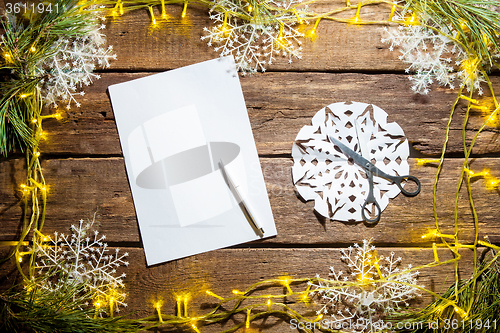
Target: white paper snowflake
432,56
72,65
380,288
254,44
84,258
339,187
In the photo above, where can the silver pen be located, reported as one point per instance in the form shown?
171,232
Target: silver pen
239,199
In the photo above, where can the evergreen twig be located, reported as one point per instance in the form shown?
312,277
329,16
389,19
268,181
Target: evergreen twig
37,309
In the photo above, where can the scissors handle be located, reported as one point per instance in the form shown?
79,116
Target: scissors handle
370,199
399,179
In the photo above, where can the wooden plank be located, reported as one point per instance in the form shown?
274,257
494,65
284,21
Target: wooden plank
279,111
222,271
176,42
79,186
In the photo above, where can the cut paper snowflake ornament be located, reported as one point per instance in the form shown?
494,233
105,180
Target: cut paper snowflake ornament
372,287
84,258
324,174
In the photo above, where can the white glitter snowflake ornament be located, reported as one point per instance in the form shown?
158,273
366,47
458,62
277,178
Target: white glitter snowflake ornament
338,186
372,287
85,259
255,43
72,65
432,56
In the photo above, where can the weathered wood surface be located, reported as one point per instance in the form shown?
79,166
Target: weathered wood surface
79,186
83,165
280,104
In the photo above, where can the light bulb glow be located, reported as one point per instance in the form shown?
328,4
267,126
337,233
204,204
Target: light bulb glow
7,57
286,282
247,323
193,326
484,173
379,272
433,233
179,309
318,318
157,306
280,42
299,19
365,278
153,19
311,34
185,306
492,183
356,18
424,161
163,10
214,295
470,66
184,10
393,10
463,26
460,312
474,101
413,19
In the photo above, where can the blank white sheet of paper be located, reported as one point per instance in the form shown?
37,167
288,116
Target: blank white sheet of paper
175,127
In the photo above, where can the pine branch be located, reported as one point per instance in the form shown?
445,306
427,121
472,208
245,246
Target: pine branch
476,22
481,299
25,48
36,309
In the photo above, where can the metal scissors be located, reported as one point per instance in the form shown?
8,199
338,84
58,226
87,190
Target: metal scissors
371,170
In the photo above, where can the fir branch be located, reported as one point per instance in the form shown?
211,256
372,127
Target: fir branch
479,295
28,47
475,22
36,309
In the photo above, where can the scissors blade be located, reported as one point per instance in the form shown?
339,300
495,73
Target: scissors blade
358,159
365,152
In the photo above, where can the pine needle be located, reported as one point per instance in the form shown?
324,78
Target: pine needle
480,301
24,46
36,309
475,22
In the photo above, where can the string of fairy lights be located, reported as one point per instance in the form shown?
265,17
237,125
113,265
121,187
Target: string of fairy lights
249,303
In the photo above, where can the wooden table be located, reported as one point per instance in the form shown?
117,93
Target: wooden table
84,167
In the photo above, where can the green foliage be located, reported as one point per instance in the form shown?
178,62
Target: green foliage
60,310
26,43
476,23
479,295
